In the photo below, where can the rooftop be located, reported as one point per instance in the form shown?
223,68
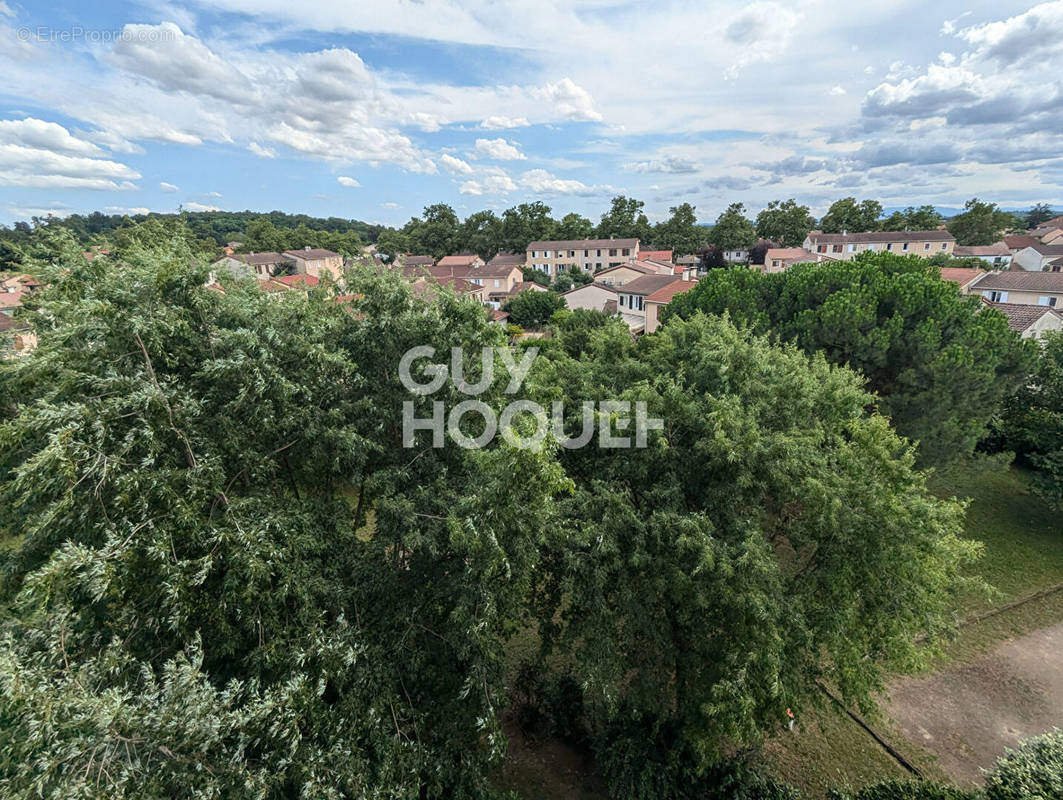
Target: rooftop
1022,281
311,253
1020,316
581,244
648,284
995,249
666,293
869,237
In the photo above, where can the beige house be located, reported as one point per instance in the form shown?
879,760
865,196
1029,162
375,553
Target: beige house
632,298
662,297
625,273
1030,322
247,265
1020,288
997,256
590,255
499,280
779,259
1037,256
463,260
591,296
317,262
843,246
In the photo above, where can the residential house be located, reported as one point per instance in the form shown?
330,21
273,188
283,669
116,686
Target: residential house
514,259
1050,235
589,255
1030,322
591,296
498,280
1020,241
1037,256
10,300
427,288
662,297
1021,288
779,259
464,260
624,273
843,246
259,265
19,283
660,256
416,261
996,255
317,262
631,298
16,338
961,276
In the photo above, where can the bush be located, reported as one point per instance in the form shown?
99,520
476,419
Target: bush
1032,772
904,790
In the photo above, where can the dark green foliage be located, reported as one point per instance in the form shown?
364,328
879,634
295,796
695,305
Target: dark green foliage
625,220
1039,213
680,232
230,579
1031,423
533,309
733,231
980,223
940,365
924,218
848,215
785,222
1034,771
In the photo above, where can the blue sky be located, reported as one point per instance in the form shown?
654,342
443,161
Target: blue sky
372,110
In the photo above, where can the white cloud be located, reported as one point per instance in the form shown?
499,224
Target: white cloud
193,206
570,100
131,211
343,180
490,184
262,152
455,165
499,150
45,136
43,169
666,164
5,9
837,91
168,188
498,123
212,194
540,181
390,204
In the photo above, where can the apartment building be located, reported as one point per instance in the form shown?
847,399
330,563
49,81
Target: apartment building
1020,287
317,262
843,246
590,255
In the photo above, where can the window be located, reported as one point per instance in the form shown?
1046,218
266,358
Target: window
871,246
599,253
944,245
889,245
598,265
926,246
905,246
586,253
612,251
571,253
627,251
995,297
822,248
497,283
836,248
1047,301
852,248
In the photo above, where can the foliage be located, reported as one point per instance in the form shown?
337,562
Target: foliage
436,233
772,535
711,258
567,278
231,579
535,276
1031,423
524,223
1033,771
680,232
905,790
785,222
1039,213
980,223
625,220
923,218
733,231
574,226
480,233
940,364
533,309
848,215
392,243
940,259
263,236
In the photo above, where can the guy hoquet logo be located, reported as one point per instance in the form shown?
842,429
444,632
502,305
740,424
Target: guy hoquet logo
613,417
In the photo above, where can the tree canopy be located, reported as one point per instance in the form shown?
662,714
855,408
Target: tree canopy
923,218
980,223
940,364
785,222
848,215
733,230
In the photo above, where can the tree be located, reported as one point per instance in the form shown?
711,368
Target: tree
711,258
940,364
773,534
924,218
527,222
625,220
391,243
1041,212
532,308
574,226
481,233
263,236
1034,770
680,232
1032,420
226,577
733,230
786,223
980,223
848,215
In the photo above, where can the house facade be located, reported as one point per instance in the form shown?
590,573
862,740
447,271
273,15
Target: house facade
1037,256
632,298
1030,322
779,259
589,255
843,246
317,262
591,296
996,256
625,273
1020,288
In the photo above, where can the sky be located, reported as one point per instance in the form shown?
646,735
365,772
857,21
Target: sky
372,110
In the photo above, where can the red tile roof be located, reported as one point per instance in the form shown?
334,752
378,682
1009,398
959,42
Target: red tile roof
311,253
301,281
960,275
656,255
666,293
11,299
463,260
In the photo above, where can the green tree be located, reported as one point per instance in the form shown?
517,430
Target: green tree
785,222
392,242
227,577
680,232
923,218
574,226
773,534
733,230
848,215
263,236
1041,212
481,233
980,223
625,220
940,364
532,308
437,233
527,222
1034,770
1032,420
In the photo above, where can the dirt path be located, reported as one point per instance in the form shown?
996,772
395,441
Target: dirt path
967,714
